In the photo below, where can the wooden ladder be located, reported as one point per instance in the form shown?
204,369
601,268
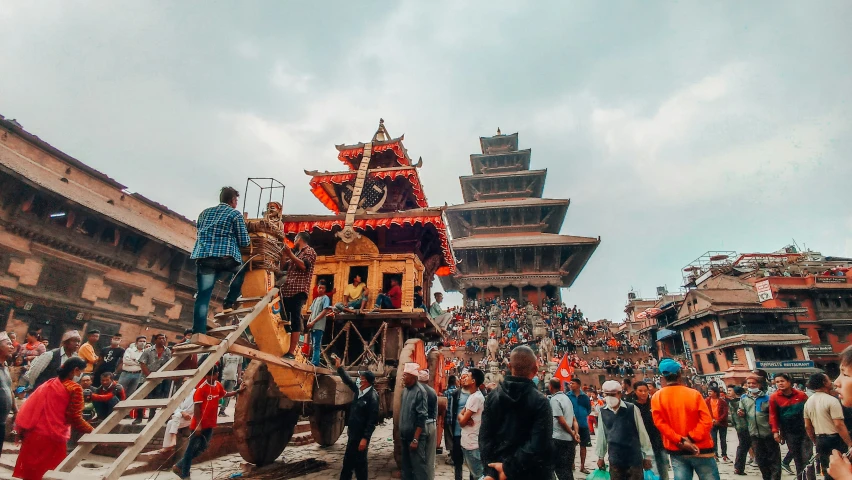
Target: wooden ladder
136,442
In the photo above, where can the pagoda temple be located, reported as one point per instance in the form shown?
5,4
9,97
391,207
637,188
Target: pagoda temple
380,217
505,235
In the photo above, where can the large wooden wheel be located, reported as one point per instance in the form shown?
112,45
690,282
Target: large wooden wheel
262,428
327,424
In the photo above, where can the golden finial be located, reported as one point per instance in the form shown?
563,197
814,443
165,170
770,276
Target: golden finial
498,131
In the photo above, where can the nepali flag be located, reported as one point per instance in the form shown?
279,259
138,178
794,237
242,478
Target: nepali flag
564,371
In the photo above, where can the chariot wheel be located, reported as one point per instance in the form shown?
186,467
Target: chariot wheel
327,424
261,427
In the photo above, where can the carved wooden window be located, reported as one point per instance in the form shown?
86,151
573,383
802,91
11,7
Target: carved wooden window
5,263
61,279
160,309
711,358
120,295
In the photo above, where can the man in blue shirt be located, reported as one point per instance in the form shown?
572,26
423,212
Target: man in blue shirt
582,406
221,233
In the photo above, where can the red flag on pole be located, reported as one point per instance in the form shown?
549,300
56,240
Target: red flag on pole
564,371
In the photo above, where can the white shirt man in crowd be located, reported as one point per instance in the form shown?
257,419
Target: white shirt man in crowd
565,430
470,419
131,372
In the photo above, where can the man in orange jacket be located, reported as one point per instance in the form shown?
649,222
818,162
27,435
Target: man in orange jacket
684,421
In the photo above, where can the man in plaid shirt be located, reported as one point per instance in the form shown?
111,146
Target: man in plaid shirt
300,269
221,233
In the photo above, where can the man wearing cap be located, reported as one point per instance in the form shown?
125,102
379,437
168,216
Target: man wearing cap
684,421
622,433
7,403
87,350
414,412
431,422
46,365
363,415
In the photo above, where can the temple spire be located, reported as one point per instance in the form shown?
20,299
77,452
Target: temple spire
382,134
498,131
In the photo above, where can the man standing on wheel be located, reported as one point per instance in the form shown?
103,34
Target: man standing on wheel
363,415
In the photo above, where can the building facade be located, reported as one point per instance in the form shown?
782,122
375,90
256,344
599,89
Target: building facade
505,235
78,251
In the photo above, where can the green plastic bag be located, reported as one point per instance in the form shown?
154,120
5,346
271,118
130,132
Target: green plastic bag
598,474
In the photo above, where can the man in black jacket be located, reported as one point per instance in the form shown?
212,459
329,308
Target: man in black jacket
363,415
517,425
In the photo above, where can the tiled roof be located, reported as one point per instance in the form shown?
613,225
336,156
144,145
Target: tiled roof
522,240
521,202
114,208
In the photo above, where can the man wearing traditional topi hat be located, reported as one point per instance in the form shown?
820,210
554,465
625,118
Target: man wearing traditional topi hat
414,411
431,421
46,365
622,433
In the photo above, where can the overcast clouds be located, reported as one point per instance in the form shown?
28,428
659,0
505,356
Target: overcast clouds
674,127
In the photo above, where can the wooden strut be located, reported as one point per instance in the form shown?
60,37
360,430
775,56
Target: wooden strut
348,234
349,326
198,344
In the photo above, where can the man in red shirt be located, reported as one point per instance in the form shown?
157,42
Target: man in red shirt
787,419
204,419
392,299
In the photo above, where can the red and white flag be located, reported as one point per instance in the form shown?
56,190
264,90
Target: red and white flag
564,371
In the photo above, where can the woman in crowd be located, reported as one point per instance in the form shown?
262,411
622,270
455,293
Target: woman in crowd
45,421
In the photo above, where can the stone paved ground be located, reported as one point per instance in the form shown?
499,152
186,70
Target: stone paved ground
382,465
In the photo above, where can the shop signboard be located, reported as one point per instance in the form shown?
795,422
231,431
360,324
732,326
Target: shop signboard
785,364
831,279
821,349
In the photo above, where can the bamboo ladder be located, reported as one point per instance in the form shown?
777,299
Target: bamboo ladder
136,442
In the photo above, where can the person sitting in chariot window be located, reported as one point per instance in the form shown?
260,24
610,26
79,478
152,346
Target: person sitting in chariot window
354,296
392,299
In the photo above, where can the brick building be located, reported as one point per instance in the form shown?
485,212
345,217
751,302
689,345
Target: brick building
78,251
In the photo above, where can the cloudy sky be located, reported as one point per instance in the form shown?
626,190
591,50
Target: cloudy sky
674,127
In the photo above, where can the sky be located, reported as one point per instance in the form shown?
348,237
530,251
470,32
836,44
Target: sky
674,127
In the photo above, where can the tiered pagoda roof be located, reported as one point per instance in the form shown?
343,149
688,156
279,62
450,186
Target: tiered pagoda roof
396,215
505,234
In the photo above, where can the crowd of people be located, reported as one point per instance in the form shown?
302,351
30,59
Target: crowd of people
85,382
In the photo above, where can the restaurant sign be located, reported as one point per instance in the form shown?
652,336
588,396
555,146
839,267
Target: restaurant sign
786,364
831,279
821,349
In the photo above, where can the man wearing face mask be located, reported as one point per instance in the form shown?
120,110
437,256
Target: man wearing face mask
622,433
363,415
754,407
684,421
131,372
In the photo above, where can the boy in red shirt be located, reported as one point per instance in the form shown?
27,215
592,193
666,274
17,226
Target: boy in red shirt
204,419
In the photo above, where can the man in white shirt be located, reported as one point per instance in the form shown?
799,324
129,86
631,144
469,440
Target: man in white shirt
470,420
180,420
131,372
566,431
231,367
